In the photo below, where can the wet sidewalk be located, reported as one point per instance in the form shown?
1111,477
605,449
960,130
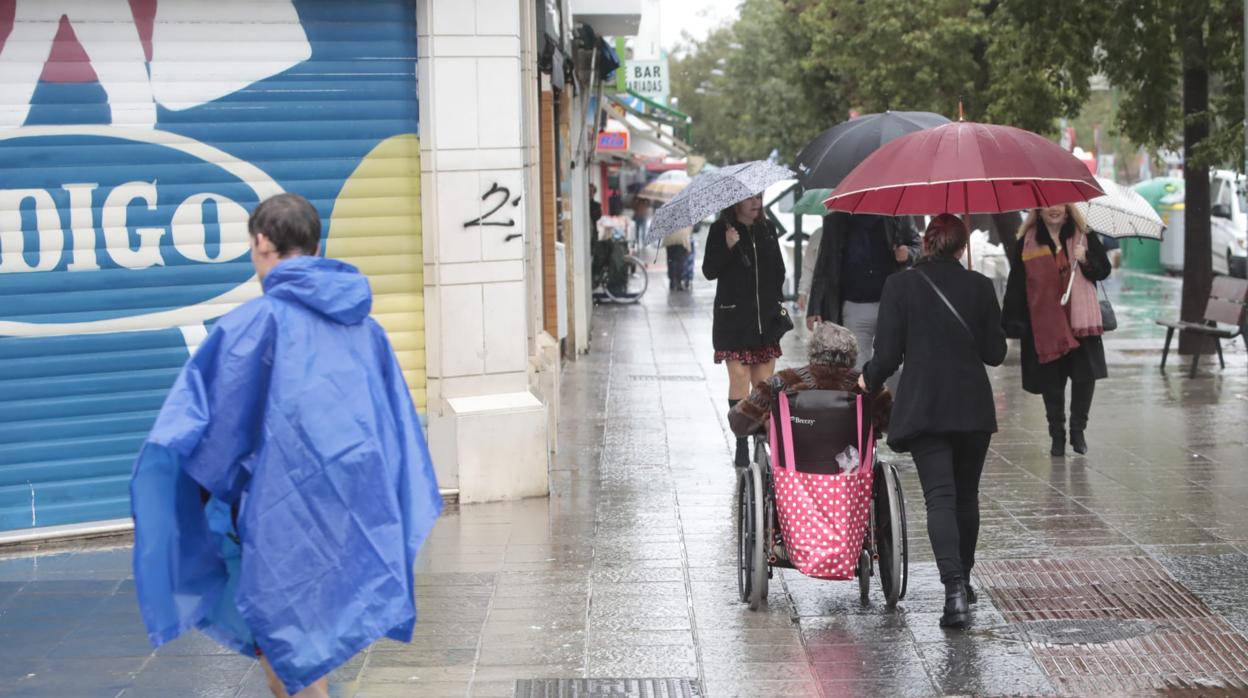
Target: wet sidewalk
1115,573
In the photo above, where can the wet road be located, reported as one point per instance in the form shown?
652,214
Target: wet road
1120,571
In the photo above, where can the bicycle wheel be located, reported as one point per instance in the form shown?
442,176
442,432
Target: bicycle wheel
630,286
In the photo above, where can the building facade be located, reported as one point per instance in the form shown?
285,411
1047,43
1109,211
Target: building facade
445,143
507,141
135,139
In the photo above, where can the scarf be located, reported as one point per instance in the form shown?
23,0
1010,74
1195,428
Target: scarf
1047,275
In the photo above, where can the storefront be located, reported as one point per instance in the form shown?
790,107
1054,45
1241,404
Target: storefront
640,140
125,186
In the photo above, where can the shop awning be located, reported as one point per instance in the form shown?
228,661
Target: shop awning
657,127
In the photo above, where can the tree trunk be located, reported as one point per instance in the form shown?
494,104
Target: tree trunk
1197,248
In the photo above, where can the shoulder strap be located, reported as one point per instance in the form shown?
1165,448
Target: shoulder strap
944,298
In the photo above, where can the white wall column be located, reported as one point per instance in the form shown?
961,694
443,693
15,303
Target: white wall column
478,211
583,237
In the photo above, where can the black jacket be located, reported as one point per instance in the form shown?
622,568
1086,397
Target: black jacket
1087,363
825,287
944,387
750,283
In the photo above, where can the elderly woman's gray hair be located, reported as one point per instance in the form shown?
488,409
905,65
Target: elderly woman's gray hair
832,345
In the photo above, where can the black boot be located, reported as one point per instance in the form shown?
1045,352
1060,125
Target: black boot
1055,413
742,457
1077,442
957,613
970,590
1058,448
1080,405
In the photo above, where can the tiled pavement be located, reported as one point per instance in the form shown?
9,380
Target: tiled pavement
627,570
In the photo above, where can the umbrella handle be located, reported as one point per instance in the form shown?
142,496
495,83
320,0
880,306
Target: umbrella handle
966,220
1070,285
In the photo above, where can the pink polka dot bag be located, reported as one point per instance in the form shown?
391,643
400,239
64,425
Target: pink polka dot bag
823,517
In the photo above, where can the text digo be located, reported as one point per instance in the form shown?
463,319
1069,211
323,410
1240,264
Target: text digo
105,229
69,239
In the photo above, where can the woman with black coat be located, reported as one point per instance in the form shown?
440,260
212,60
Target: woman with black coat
1060,341
943,413
743,256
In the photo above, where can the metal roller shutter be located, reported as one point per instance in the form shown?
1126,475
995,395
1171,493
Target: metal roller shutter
135,138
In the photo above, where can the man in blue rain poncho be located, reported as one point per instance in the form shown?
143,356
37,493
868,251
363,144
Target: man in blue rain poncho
285,489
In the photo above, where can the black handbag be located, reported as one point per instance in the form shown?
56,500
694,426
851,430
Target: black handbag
1109,320
778,326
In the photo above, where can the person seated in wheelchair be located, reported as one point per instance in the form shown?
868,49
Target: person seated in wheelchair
832,351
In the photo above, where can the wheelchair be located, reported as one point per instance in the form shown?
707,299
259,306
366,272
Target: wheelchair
825,423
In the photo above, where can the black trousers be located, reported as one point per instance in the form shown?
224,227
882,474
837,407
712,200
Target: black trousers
1080,404
950,466
676,256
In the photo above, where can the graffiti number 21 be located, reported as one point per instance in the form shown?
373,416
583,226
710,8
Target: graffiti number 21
503,194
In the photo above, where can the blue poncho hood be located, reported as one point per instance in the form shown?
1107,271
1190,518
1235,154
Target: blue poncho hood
294,422
333,289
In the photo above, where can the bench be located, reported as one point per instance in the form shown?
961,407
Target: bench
1223,318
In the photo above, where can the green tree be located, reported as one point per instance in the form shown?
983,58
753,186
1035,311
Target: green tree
1179,67
1040,58
699,90
790,68
740,87
995,58
894,54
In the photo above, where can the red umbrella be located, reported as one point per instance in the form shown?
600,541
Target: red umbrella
964,167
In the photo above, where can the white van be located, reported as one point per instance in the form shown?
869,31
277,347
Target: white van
1228,209
1228,226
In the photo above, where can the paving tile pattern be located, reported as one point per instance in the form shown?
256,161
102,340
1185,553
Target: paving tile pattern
1114,625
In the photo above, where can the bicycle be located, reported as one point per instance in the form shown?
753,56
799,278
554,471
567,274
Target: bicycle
618,276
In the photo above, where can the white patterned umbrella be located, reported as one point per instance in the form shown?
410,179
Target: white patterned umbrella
712,192
1121,213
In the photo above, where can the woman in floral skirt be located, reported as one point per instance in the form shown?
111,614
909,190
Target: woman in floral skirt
743,257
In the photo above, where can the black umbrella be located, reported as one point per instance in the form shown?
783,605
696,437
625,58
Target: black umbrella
825,161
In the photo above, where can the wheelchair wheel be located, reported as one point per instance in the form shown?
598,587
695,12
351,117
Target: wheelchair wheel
890,533
864,575
764,514
745,535
752,568
633,285
751,537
